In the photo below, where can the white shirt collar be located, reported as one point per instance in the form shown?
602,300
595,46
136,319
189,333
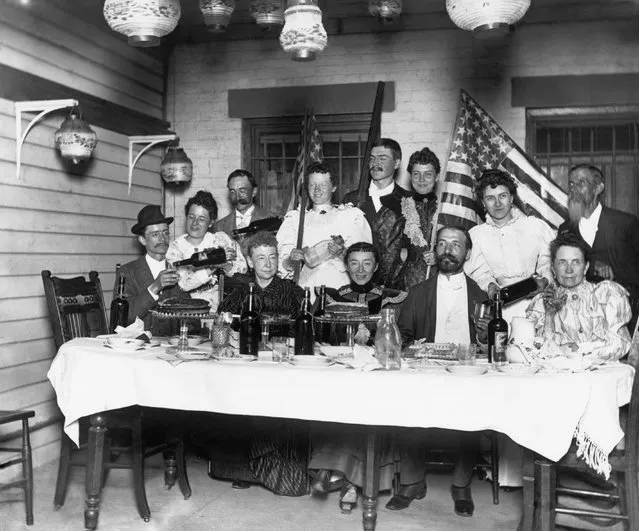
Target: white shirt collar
247,214
374,191
156,266
588,226
455,281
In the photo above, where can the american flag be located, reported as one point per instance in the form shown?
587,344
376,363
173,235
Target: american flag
315,154
478,143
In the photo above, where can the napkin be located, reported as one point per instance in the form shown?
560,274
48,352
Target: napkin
363,359
134,331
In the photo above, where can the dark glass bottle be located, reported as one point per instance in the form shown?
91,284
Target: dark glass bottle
119,305
205,258
497,335
518,290
322,330
250,325
259,225
304,333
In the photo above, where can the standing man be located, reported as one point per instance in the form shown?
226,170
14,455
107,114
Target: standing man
612,235
242,188
439,310
147,279
382,207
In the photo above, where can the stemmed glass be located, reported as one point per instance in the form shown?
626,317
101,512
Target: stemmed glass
482,310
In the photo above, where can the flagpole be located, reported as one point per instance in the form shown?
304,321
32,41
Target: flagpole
373,134
440,187
297,268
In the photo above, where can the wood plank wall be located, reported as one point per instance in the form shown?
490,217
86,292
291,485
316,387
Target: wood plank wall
54,217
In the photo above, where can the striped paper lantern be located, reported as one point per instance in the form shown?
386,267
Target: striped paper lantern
486,17
144,22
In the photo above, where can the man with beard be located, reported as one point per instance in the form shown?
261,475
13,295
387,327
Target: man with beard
382,207
439,310
612,235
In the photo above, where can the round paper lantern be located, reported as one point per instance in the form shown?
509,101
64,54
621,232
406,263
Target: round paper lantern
176,168
75,139
144,22
387,11
268,14
303,35
217,14
488,17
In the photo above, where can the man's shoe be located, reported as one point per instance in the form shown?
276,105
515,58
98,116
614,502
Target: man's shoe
347,497
239,484
463,499
406,494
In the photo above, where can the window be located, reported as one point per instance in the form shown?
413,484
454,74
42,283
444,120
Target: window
271,146
606,138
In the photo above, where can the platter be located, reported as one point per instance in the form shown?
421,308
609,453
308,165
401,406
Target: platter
467,370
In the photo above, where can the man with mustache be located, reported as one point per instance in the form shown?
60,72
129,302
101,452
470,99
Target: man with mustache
147,279
439,310
612,235
382,207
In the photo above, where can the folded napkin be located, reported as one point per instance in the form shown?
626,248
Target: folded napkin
134,331
363,359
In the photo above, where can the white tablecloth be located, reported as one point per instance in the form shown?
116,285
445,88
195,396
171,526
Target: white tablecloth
541,412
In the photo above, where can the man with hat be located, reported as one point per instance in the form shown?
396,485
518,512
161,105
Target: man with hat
147,279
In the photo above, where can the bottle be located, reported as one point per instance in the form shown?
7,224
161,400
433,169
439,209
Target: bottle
119,305
250,325
388,341
259,225
205,258
304,333
518,290
497,335
322,330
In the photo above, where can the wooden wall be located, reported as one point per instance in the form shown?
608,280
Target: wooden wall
53,217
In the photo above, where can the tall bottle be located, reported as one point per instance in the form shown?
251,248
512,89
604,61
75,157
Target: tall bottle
518,290
259,225
250,325
204,258
304,333
497,334
322,330
388,341
119,304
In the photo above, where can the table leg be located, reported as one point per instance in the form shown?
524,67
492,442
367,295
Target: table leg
527,514
95,471
546,474
370,488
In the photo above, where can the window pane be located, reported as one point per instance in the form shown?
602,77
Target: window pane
331,149
603,139
274,149
350,149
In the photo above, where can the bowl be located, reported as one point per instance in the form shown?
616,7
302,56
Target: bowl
124,343
193,341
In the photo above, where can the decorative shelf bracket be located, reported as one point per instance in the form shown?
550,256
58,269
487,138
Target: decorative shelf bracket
46,107
150,141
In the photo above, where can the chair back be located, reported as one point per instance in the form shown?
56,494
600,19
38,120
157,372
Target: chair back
76,306
631,428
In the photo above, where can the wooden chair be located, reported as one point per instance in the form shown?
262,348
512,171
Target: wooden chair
622,493
26,483
76,309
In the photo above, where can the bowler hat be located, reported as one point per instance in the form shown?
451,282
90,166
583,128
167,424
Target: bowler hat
149,215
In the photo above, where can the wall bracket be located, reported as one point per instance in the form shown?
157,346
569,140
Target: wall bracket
150,141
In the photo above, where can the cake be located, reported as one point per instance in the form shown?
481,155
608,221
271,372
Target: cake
184,305
345,309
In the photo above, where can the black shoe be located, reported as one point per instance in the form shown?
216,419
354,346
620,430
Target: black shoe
463,499
324,481
239,484
406,494
347,497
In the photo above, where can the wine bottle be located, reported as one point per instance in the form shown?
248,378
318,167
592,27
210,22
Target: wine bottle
250,325
518,290
259,225
322,330
205,258
497,335
388,341
304,334
119,306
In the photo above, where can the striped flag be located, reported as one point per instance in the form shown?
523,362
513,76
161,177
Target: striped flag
314,153
478,143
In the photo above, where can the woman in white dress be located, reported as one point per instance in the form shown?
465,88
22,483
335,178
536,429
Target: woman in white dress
201,213
329,230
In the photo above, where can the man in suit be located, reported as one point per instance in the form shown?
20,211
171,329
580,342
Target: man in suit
242,188
147,279
612,235
381,205
439,310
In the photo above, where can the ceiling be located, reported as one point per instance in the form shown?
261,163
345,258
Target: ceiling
351,16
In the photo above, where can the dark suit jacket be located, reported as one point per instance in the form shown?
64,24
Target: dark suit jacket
227,223
417,318
387,227
617,244
138,278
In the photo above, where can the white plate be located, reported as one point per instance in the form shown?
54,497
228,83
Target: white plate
466,370
193,341
518,369
124,343
244,358
311,361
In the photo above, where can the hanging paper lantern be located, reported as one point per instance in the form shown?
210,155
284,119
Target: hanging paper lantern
488,17
387,11
268,14
75,139
303,35
176,168
144,22
217,14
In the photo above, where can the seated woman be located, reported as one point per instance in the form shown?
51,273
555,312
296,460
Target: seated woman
201,213
586,321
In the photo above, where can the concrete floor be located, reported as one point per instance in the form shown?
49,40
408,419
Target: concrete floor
215,505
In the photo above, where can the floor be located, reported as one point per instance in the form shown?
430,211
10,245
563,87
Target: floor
215,505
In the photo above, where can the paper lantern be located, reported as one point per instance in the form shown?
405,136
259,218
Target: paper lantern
303,35
217,14
488,17
176,168
144,22
387,11
268,14
75,139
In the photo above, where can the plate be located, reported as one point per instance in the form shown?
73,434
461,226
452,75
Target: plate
124,343
466,370
193,341
311,361
336,351
518,369
190,356
243,358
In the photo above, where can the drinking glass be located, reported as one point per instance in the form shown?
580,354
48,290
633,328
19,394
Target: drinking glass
482,310
280,348
466,353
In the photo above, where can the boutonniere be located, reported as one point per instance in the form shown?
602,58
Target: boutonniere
412,228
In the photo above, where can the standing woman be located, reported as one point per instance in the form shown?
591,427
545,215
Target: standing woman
201,213
419,211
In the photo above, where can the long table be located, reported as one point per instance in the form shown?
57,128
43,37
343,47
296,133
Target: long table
540,412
